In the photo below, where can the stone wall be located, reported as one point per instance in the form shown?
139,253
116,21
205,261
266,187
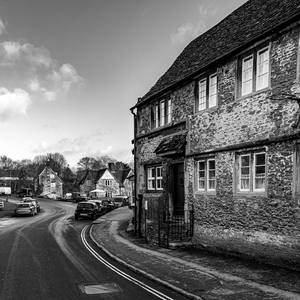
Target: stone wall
257,224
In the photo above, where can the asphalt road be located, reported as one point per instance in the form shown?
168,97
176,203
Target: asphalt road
44,257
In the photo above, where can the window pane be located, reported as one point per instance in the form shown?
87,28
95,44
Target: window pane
259,183
201,165
201,184
245,160
162,113
211,164
245,172
247,75
260,171
211,184
169,112
212,101
260,159
201,175
211,174
202,94
262,69
245,184
156,116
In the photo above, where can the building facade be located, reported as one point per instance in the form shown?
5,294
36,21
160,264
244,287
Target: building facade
50,184
219,135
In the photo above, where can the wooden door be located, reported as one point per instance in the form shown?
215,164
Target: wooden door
178,189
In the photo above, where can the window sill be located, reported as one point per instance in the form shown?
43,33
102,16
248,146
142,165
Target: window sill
251,194
211,109
162,127
268,89
154,191
209,193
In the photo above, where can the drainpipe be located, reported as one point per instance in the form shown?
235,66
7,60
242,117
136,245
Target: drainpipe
135,170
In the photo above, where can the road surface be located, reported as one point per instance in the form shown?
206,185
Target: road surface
50,256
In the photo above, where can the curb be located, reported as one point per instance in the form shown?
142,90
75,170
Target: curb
142,272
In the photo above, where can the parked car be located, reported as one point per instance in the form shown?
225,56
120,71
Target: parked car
34,201
86,210
98,203
25,209
1,204
120,201
78,197
107,204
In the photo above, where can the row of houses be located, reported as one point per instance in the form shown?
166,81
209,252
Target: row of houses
217,138
49,184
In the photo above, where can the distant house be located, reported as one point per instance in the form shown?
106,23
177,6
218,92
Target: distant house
121,175
50,183
110,181
129,186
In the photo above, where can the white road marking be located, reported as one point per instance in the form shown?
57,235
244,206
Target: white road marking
105,288
119,272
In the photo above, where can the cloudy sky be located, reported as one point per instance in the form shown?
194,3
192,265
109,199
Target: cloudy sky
71,69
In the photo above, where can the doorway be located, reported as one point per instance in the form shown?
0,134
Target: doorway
177,171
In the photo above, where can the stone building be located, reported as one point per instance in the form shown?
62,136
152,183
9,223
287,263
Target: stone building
50,183
217,138
102,179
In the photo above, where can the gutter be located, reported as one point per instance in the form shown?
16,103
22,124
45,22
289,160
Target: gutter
134,167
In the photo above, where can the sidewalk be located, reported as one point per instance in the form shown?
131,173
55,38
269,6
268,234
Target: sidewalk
194,273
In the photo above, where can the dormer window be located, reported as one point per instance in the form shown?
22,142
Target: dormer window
161,114
207,92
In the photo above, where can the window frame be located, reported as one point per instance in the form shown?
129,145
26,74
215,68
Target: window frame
206,177
254,54
157,180
158,119
206,91
252,172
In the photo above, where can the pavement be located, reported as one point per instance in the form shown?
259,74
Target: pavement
194,273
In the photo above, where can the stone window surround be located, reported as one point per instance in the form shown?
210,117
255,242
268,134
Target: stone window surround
252,52
236,182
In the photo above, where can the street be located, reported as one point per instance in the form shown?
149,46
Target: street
50,256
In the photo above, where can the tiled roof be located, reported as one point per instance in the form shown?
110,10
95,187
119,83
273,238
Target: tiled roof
173,144
237,30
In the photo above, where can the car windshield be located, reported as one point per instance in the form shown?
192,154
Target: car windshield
23,205
85,205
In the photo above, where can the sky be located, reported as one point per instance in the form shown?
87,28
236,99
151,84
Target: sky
71,69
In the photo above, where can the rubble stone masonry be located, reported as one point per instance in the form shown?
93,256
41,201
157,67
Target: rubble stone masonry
265,225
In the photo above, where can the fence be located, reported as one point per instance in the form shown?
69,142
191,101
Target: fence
163,227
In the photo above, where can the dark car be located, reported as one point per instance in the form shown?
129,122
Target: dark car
120,201
78,197
86,210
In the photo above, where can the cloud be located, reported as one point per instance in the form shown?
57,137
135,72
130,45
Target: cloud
69,146
2,26
13,103
188,31
33,69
